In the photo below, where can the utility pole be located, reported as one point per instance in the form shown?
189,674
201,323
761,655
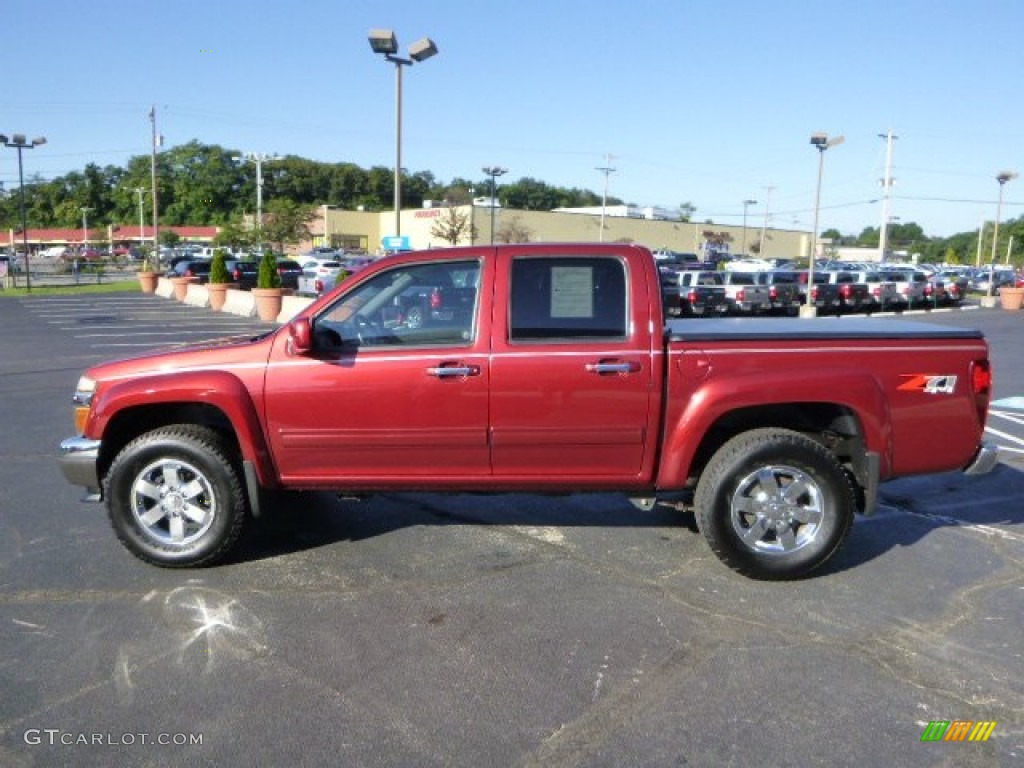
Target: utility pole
886,192
141,192
157,141
606,170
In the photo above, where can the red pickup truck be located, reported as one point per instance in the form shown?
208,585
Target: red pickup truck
555,372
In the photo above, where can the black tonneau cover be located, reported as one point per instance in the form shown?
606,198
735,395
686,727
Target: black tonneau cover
814,329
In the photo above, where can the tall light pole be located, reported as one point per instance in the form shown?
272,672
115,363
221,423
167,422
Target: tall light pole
259,158
494,172
821,142
384,42
18,142
1002,178
606,170
746,204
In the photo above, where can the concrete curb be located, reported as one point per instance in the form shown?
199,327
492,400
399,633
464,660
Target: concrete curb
197,296
238,302
164,289
291,306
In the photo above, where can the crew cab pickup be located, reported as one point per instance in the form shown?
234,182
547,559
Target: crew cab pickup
555,373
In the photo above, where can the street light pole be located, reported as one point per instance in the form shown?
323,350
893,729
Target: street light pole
746,204
1002,178
384,42
606,170
494,172
17,141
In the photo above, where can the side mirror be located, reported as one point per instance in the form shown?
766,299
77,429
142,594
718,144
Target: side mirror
300,334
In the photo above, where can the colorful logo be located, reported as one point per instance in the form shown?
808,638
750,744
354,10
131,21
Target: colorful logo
958,730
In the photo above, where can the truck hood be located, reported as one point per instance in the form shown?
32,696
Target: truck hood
222,354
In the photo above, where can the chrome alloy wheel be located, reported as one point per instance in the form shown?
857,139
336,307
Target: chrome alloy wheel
173,502
777,510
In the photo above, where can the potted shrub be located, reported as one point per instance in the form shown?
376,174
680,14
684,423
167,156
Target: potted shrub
268,291
219,280
148,274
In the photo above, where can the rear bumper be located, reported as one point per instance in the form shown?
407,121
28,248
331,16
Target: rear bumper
78,463
984,460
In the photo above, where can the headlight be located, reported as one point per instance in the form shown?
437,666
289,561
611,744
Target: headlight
83,400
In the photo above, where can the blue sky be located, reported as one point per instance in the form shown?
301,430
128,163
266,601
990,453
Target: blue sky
703,101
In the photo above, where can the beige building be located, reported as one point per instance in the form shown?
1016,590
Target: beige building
366,230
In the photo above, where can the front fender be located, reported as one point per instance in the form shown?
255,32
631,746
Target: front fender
691,416
214,388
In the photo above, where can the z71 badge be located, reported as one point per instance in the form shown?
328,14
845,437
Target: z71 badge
928,383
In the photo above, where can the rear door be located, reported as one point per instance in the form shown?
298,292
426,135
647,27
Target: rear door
573,374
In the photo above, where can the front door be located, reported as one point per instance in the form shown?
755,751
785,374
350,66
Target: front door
395,391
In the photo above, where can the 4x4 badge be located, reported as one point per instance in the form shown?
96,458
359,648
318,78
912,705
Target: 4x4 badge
928,383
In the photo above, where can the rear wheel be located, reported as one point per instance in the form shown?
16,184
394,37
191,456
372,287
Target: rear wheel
774,504
174,497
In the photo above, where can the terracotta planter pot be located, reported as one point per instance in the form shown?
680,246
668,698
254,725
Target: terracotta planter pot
1011,298
147,281
181,286
268,303
218,294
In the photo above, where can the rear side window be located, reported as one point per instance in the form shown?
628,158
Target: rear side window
568,298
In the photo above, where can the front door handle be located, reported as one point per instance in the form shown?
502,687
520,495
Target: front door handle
610,367
453,371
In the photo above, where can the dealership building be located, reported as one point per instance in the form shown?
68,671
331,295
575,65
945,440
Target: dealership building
426,227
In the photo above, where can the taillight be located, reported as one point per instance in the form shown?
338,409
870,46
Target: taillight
846,290
773,293
981,386
814,293
189,273
237,275
318,285
435,299
692,297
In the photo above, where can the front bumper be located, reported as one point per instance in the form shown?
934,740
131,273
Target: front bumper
984,460
78,462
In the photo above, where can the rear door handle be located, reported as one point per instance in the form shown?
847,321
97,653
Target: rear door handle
453,371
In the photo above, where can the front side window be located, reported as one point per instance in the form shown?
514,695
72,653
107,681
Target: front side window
410,305
568,298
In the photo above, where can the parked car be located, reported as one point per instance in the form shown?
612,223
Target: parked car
289,271
910,285
882,293
197,268
853,294
700,293
824,295
243,272
744,294
997,278
783,290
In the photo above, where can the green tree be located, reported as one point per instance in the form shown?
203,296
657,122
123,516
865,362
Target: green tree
453,226
268,276
218,267
287,222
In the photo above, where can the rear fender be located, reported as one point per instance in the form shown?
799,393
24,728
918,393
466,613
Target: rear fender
695,420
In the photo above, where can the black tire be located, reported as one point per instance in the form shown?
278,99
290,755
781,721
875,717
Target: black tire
753,519
174,497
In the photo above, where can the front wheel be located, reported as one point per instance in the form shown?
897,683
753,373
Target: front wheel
174,497
774,504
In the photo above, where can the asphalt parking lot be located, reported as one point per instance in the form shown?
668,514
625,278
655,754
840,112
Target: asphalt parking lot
422,630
